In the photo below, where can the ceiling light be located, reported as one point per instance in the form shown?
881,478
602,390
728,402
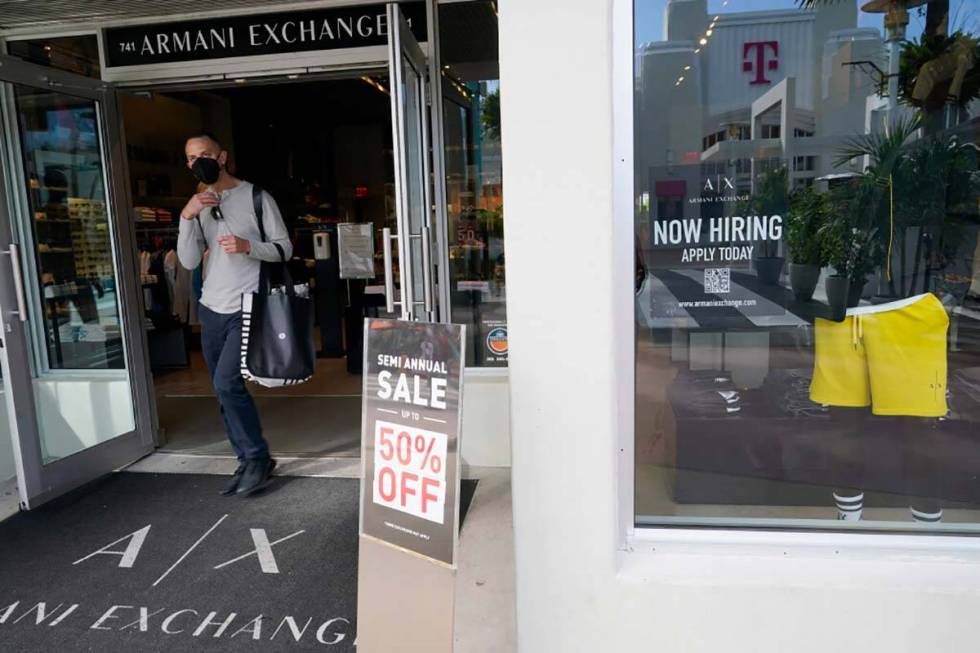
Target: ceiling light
716,18
697,50
703,41
240,80
687,67
708,33
681,78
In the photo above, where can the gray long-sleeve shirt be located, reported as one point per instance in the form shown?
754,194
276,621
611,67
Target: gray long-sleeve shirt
228,276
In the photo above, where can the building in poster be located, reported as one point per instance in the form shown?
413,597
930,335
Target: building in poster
725,97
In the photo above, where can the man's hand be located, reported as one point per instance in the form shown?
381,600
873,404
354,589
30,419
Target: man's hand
235,245
197,204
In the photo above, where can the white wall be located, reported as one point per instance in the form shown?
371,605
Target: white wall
486,418
576,590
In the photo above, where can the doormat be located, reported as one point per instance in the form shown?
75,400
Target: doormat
161,562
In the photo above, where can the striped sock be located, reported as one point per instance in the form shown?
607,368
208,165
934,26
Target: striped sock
849,507
927,517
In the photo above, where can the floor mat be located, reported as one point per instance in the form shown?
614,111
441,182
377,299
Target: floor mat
322,426
161,562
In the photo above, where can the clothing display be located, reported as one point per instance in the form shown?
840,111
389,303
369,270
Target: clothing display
167,297
891,357
185,301
170,266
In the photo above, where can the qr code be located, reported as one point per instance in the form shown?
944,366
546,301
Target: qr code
717,281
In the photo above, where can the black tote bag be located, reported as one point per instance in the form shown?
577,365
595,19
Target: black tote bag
277,324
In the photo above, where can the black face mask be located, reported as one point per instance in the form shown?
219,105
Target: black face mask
206,170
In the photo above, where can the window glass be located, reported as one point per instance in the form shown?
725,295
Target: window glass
807,264
471,125
83,392
65,180
76,54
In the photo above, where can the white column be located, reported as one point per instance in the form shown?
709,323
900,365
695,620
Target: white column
556,120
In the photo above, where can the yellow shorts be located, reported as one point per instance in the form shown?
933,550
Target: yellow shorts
891,357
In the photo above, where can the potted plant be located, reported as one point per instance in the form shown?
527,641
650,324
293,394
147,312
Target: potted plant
770,197
907,192
850,245
808,213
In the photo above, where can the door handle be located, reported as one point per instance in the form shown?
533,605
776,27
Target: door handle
427,270
389,272
14,253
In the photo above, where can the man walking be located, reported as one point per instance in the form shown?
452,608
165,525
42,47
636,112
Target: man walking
222,221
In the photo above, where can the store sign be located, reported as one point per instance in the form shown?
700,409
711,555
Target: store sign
719,183
718,240
251,35
756,60
716,255
410,435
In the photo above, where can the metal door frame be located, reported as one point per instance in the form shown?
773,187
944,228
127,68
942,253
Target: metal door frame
439,163
403,49
38,482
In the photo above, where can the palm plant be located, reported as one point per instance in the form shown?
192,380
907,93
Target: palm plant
942,189
863,228
883,148
909,182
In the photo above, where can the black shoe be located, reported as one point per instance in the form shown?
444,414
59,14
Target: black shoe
235,480
257,475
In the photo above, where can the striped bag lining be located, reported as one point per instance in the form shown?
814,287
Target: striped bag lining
246,330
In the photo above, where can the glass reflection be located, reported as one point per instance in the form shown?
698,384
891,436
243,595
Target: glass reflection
474,188
79,326
67,198
808,265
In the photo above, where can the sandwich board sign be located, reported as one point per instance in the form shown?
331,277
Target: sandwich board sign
409,516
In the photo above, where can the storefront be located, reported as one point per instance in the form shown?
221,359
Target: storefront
745,418
350,126
742,288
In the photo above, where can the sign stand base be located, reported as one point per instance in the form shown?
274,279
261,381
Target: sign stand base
404,602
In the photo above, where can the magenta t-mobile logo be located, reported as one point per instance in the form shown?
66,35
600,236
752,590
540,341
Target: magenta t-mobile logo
760,63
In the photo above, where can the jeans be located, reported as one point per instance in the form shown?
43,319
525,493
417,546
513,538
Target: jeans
221,341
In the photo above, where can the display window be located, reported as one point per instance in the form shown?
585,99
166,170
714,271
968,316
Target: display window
807,290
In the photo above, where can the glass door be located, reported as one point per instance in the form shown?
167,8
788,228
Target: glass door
417,240
75,383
